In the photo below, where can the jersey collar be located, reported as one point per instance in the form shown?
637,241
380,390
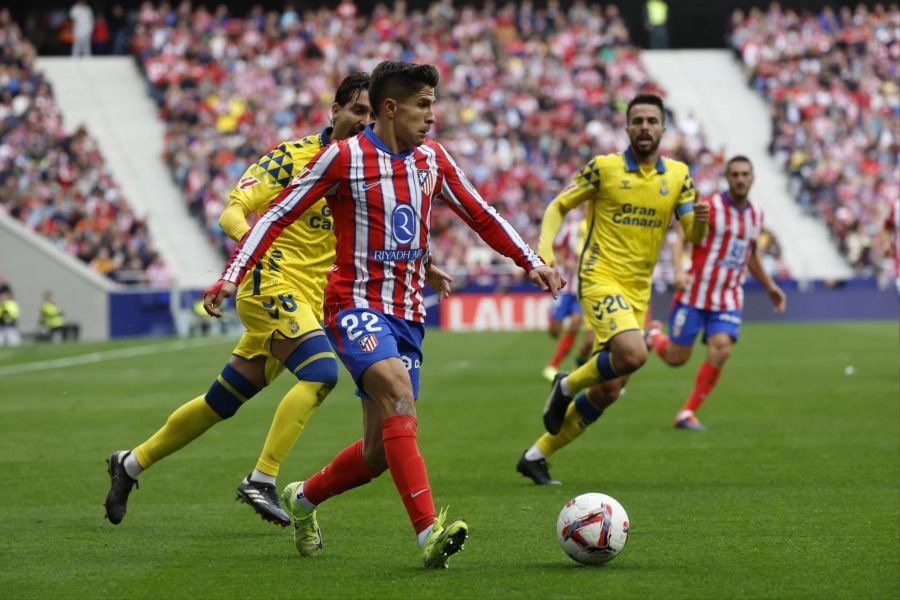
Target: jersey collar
729,201
369,132
631,163
325,136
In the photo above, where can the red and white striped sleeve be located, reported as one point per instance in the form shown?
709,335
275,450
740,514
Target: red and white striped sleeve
319,178
463,199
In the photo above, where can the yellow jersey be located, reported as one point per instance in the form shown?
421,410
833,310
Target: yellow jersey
303,253
629,209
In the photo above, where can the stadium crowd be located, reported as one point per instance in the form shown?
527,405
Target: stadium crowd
831,78
56,182
527,95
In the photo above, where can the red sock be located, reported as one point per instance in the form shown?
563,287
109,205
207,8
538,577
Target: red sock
707,376
347,471
408,469
660,342
562,348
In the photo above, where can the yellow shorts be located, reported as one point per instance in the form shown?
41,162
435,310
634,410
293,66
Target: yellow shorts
608,311
279,310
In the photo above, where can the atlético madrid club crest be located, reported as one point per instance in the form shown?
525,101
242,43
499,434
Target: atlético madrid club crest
426,181
368,342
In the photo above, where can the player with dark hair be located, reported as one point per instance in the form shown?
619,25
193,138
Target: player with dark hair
380,186
631,198
281,306
713,298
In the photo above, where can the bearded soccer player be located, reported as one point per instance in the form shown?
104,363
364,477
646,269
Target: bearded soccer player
713,298
281,306
380,186
631,197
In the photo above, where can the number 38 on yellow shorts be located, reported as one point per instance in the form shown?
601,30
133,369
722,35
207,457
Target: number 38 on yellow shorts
277,310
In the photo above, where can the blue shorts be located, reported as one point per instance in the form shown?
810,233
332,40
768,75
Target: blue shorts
567,304
686,321
361,337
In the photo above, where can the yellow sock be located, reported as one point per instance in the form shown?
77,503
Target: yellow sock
183,426
594,371
291,416
572,427
583,377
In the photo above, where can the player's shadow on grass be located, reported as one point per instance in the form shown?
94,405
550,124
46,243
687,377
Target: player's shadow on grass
568,565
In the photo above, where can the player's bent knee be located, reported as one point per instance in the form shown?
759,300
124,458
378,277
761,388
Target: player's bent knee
229,391
719,351
323,370
399,401
395,397
677,359
313,360
630,360
718,357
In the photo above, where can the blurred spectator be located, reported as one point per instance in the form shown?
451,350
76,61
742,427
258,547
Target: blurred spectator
53,322
832,81
770,253
100,37
656,17
57,183
118,27
9,318
82,28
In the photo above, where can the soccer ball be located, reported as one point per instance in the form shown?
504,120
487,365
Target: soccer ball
592,528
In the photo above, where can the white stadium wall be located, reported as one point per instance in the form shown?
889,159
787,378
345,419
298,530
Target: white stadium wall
32,265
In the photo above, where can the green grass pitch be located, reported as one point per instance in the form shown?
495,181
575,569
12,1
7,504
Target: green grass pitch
793,492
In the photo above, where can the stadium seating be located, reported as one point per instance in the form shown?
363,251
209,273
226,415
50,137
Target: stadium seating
831,79
527,96
56,182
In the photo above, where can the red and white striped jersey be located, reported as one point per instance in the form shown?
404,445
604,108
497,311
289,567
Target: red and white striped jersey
719,262
892,224
381,208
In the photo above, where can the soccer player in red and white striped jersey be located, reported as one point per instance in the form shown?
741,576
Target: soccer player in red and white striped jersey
380,186
713,296
892,225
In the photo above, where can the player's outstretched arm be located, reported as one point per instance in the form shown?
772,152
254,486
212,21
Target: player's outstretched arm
776,294
548,279
464,200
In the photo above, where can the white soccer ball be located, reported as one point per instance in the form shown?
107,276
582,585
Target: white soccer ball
592,528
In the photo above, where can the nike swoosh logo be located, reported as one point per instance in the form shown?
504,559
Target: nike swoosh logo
369,186
414,494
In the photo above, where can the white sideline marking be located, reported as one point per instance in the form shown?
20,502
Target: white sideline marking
94,357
